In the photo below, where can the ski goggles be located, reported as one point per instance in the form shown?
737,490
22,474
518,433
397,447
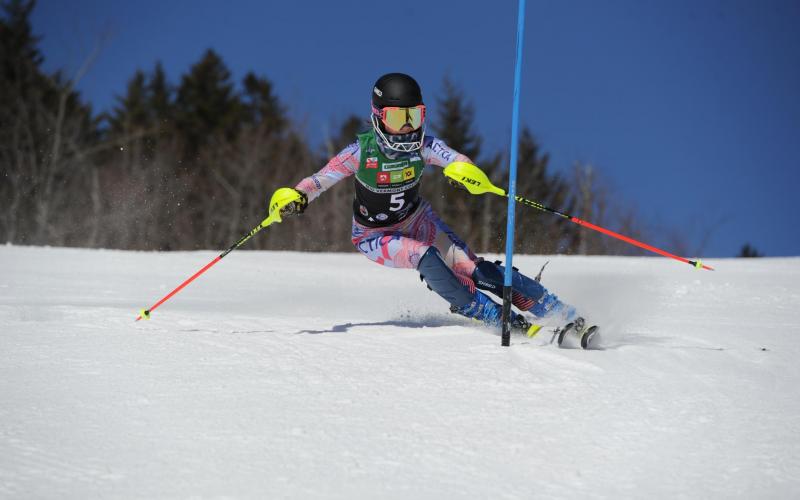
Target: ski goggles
397,117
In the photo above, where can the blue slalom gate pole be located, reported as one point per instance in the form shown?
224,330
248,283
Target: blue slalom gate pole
512,177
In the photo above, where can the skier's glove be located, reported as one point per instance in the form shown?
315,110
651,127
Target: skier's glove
296,207
456,184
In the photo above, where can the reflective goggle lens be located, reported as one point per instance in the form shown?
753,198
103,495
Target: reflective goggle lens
396,118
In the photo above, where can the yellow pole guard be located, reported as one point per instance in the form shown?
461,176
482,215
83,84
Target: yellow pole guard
280,199
472,178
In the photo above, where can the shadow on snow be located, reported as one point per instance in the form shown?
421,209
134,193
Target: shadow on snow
432,322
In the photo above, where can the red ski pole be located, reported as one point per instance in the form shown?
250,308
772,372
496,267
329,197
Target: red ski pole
475,181
279,200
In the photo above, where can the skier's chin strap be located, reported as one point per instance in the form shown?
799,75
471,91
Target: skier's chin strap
442,280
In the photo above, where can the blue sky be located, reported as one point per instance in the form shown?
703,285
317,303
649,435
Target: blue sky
689,110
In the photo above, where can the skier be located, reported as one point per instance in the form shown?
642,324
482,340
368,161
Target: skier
395,227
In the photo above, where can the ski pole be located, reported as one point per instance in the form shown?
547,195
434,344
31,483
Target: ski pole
280,199
473,179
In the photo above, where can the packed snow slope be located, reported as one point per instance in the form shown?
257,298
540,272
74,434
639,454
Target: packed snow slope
301,375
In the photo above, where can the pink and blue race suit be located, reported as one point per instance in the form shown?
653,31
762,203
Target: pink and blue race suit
392,225
395,227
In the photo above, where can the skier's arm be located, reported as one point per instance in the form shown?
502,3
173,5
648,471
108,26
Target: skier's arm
437,152
340,166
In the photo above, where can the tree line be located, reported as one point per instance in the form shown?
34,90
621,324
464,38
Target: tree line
190,164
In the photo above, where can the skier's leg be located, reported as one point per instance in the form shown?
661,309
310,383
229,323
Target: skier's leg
442,280
457,266
391,249
463,297
462,263
528,294
394,249
455,251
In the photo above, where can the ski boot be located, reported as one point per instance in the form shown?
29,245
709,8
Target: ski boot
522,325
484,309
576,332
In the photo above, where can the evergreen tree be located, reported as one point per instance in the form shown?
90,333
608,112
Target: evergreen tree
146,108
262,105
190,166
454,121
539,232
749,251
20,57
348,130
143,159
133,111
532,165
206,104
160,94
453,124
45,132
19,77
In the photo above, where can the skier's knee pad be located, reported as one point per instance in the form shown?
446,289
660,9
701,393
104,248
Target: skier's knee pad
491,276
442,280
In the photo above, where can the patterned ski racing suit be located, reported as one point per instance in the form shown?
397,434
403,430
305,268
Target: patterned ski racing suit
394,227
401,244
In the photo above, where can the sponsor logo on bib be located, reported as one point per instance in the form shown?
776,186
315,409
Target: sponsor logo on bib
396,165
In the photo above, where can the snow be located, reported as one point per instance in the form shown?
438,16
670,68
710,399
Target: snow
300,375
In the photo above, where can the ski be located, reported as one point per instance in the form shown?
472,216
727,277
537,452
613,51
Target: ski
575,334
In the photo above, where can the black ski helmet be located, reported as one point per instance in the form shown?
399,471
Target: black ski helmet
396,89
